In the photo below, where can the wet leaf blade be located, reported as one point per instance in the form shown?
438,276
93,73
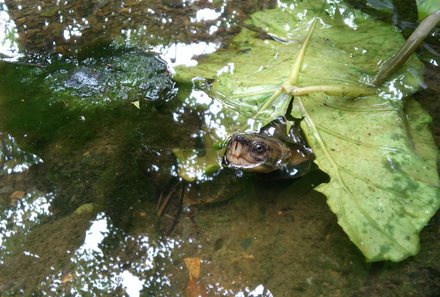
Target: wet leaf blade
382,189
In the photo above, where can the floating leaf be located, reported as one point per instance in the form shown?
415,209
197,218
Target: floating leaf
384,185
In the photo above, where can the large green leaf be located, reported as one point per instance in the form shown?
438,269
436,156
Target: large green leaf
382,161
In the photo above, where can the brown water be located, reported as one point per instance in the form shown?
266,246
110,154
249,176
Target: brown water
78,195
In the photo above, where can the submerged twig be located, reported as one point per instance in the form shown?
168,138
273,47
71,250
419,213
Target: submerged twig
411,44
164,201
4,150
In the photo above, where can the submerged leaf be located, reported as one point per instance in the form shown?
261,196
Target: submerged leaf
193,287
384,185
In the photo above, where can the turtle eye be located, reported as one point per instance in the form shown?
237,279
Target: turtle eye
259,148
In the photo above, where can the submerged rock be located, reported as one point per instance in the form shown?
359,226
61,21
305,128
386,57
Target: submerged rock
129,75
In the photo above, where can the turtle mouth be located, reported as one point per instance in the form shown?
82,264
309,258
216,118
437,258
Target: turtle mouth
238,153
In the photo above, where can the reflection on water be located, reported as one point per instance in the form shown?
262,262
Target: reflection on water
12,158
8,34
280,240
16,222
108,260
184,54
146,272
23,207
66,26
95,270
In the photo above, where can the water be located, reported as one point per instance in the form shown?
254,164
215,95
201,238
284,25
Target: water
80,180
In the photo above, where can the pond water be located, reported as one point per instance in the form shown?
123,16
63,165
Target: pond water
86,155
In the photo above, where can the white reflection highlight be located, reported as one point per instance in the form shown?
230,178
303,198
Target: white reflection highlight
12,158
213,29
200,97
229,68
349,19
95,235
28,212
8,35
72,31
31,254
216,107
184,54
258,291
98,267
131,283
206,14
214,114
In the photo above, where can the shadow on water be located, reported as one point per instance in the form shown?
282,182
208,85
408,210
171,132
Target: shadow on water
86,151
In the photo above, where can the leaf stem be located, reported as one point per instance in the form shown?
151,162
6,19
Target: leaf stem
335,90
294,75
268,102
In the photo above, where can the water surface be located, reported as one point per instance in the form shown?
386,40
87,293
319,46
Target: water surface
82,167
